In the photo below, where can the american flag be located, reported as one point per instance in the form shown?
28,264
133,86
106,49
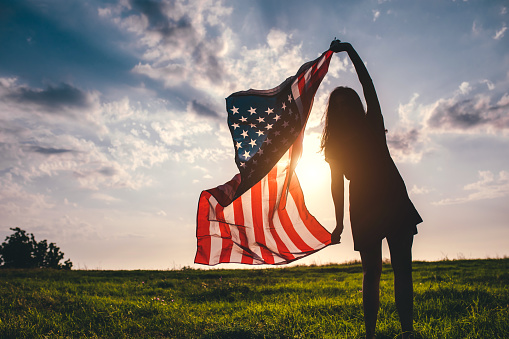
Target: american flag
259,217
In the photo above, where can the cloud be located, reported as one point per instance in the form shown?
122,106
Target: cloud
54,98
499,34
488,83
376,14
475,114
49,150
181,42
420,190
200,109
403,141
465,87
488,187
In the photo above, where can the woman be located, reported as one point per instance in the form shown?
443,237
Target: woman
355,147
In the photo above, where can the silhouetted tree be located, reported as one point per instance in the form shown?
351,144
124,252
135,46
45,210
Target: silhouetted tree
20,250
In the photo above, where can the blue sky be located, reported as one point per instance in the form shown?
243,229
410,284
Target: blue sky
113,120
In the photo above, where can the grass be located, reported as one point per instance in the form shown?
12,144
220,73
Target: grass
453,299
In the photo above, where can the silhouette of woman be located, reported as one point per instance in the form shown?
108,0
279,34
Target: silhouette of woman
355,146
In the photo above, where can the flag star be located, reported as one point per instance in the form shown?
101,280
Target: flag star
268,141
277,117
255,162
276,133
252,143
243,119
242,164
244,134
238,145
290,111
252,125
289,98
269,110
284,140
285,124
269,126
235,126
260,119
234,110
296,117
292,129
252,110
260,151
284,106
259,132
246,154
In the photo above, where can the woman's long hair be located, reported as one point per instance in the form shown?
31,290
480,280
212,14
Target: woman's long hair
343,115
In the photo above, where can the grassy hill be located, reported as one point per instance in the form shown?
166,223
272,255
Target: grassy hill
453,299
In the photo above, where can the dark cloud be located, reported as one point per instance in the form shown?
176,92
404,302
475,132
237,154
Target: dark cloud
403,141
469,114
50,150
170,29
209,64
107,171
53,97
202,110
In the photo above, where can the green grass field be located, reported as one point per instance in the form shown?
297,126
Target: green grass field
453,299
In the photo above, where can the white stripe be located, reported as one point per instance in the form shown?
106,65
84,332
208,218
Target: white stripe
269,239
248,222
216,243
229,217
299,225
296,97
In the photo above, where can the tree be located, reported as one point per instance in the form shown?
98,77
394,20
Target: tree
20,250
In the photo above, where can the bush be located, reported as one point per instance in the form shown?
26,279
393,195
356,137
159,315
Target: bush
20,250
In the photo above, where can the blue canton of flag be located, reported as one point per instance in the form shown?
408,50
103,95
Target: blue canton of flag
262,128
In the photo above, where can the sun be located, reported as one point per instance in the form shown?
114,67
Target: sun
312,170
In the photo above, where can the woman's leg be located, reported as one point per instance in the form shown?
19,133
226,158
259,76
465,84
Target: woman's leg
401,261
372,270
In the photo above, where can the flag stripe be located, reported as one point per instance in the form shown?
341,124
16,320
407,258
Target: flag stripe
312,225
202,230
239,220
225,233
283,250
256,206
248,222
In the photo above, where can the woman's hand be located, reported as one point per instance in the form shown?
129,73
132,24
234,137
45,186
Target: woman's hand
336,234
338,46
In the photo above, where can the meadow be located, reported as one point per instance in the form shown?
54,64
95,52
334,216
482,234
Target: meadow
453,299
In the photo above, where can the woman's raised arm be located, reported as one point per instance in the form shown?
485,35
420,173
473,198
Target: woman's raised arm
373,106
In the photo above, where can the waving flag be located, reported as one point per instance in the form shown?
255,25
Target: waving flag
259,217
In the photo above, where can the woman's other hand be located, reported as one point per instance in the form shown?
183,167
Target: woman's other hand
336,234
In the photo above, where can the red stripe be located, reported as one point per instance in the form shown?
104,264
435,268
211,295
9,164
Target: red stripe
239,221
203,230
256,209
282,249
224,228
314,227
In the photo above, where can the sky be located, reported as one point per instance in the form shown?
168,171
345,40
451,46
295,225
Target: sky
113,118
